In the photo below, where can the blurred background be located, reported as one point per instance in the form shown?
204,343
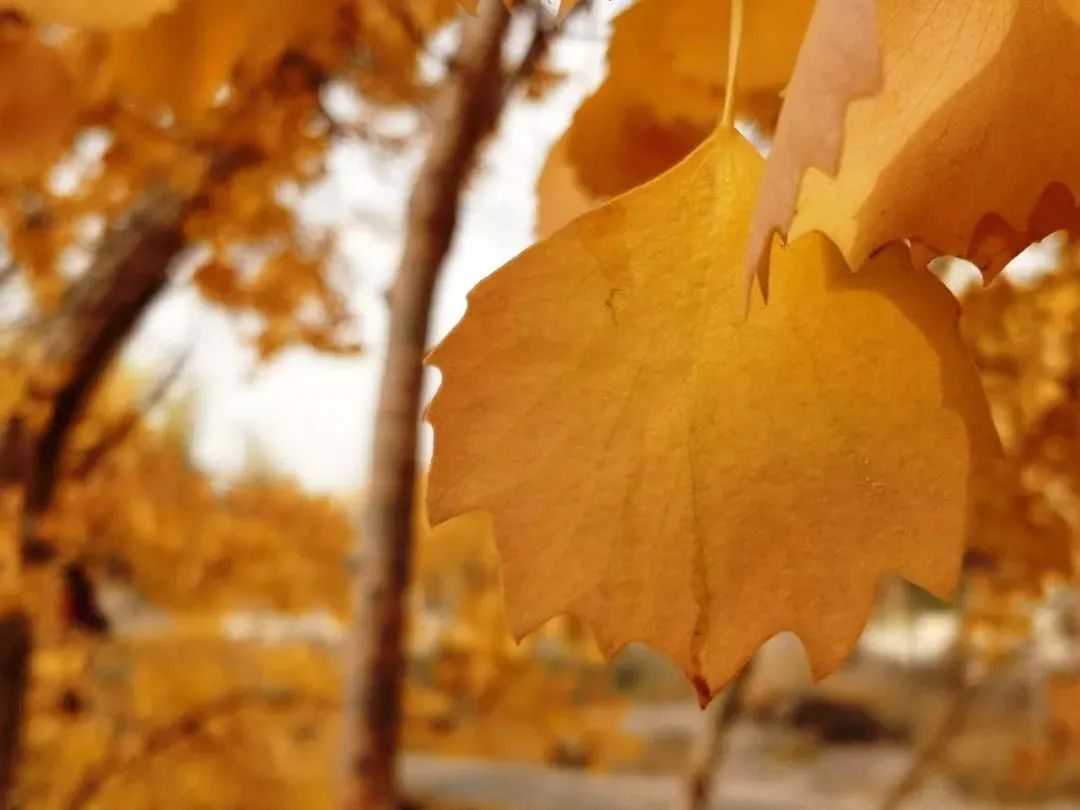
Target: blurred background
203,204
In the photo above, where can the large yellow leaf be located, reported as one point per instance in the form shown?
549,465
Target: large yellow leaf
976,119
671,475
93,13
839,62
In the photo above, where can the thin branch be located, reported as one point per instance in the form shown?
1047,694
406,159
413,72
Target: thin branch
8,272
950,726
544,33
122,429
710,754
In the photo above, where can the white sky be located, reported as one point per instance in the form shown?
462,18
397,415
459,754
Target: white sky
312,415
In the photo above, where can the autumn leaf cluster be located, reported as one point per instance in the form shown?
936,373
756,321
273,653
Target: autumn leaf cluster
723,404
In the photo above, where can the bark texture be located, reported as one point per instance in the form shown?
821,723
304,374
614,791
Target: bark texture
465,114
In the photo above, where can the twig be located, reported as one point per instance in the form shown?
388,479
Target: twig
935,746
544,34
710,754
123,428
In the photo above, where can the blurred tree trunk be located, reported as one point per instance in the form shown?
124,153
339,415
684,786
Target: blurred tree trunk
14,669
466,112
708,758
95,318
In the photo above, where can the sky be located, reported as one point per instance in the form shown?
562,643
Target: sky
311,416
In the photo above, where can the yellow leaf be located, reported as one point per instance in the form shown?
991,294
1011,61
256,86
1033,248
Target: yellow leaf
958,149
840,61
673,476
560,196
36,103
665,86
181,60
93,13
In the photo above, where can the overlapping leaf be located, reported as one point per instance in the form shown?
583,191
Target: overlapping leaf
673,476
665,88
839,62
969,148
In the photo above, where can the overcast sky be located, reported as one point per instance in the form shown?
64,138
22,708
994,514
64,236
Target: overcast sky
312,415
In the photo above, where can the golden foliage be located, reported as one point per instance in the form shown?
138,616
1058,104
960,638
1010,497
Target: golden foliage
131,501
587,374
175,714
1024,339
179,721
474,691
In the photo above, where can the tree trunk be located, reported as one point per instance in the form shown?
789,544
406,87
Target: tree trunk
710,753
466,112
95,318
15,645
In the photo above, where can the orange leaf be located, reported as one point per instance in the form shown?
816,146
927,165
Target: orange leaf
956,152
839,62
672,476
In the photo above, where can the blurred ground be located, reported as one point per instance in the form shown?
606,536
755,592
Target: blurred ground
839,744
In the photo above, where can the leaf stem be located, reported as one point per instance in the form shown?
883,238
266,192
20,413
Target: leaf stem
735,44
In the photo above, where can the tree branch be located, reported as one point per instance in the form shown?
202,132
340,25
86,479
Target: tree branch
15,644
96,316
710,754
950,726
120,431
466,112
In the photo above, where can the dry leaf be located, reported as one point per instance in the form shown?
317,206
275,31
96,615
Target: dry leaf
959,151
840,61
672,476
